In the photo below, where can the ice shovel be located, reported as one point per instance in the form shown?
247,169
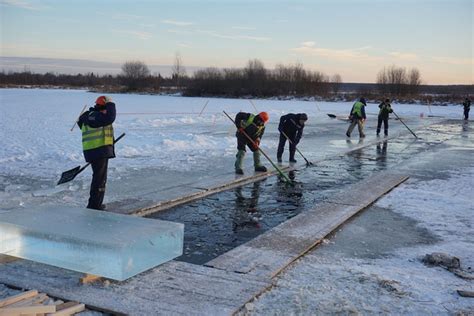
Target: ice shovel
69,175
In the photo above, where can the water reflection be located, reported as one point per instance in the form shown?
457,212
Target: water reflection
465,129
247,214
381,150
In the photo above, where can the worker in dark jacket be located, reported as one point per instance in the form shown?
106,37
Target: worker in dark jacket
292,126
357,117
385,110
467,108
254,127
98,146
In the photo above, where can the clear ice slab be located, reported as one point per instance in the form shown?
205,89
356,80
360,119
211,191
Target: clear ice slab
101,243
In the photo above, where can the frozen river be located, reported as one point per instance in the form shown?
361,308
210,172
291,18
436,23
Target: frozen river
370,266
168,142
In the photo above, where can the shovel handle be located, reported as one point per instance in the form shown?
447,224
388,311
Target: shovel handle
78,117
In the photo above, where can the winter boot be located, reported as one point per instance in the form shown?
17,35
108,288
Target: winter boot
256,162
292,157
238,162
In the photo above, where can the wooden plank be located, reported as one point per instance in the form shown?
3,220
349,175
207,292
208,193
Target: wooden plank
269,253
76,308
6,258
16,298
13,311
89,278
204,193
62,306
38,299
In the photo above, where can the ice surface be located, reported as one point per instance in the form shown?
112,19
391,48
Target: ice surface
168,144
100,243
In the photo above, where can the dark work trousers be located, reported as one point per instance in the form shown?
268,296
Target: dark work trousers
243,141
466,114
281,146
385,125
99,179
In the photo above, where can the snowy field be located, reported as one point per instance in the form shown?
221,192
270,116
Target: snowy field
168,141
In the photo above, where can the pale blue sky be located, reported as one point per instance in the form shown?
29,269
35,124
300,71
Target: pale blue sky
353,38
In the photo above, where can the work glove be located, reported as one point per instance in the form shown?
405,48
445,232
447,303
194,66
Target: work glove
256,144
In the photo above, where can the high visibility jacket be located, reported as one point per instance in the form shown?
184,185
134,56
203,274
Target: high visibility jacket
93,138
358,110
246,121
249,122
98,133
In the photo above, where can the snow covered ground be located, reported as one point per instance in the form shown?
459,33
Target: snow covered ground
372,265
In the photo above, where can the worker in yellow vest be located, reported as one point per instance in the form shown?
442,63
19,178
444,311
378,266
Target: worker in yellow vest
254,126
98,146
357,117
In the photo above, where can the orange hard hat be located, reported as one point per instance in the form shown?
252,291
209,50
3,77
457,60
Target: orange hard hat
101,100
264,116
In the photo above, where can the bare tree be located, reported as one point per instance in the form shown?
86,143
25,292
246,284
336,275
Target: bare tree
255,77
397,81
178,71
135,74
336,81
414,80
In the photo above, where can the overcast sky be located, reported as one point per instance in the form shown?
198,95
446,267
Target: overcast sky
353,38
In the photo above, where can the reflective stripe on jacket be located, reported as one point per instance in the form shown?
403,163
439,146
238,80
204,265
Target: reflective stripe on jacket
93,138
249,122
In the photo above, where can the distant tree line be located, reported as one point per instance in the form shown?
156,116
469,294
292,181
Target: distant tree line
256,80
252,80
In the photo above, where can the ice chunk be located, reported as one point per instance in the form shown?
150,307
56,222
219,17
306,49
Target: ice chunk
100,243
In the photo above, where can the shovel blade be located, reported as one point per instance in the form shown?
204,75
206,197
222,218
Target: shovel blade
67,176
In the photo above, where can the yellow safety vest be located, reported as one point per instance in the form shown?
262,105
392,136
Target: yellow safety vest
250,122
93,138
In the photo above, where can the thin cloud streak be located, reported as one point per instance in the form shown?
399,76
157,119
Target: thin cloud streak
177,23
235,37
21,4
124,17
309,48
404,56
454,61
137,34
244,28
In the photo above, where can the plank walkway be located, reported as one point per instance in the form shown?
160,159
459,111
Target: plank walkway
224,284
172,288
266,255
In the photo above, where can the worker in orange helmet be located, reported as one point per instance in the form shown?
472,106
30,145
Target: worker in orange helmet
98,146
254,126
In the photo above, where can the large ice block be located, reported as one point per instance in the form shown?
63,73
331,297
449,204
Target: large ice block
101,243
